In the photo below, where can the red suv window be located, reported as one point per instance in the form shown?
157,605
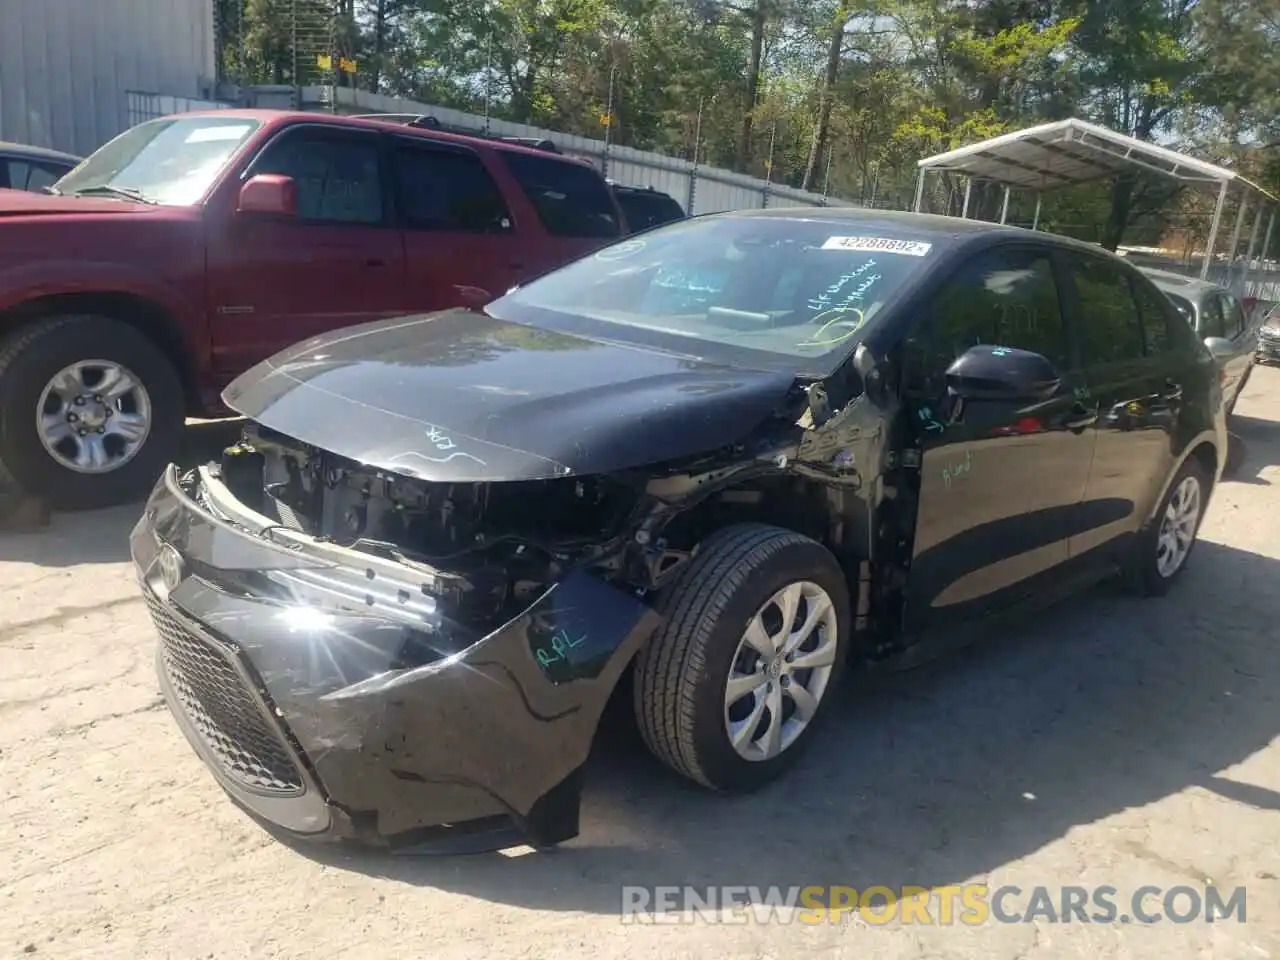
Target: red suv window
572,200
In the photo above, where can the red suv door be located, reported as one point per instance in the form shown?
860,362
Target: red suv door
461,245
577,211
273,282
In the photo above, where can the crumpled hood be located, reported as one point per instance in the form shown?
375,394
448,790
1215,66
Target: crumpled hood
463,397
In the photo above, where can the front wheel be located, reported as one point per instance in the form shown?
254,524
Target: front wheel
730,690
90,411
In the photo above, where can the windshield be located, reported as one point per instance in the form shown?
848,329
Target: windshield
784,286
172,161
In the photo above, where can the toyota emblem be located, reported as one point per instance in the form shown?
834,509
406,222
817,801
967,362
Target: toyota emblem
170,563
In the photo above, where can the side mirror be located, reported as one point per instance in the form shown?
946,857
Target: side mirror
269,194
1220,347
1002,373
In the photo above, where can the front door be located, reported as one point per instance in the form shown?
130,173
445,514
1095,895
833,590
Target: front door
273,282
1129,342
461,243
1000,483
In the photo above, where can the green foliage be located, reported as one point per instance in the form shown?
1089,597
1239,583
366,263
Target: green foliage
848,94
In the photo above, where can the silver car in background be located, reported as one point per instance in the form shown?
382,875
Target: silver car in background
1269,337
1218,317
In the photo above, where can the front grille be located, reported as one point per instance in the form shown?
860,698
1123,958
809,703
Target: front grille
224,712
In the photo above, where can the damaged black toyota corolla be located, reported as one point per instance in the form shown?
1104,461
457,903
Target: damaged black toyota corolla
722,460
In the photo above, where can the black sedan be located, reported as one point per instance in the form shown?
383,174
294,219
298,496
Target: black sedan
32,169
713,467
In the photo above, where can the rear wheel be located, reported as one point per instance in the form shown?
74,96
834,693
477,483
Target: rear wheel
730,691
90,411
1161,551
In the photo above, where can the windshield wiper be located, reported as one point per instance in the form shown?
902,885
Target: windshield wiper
107,189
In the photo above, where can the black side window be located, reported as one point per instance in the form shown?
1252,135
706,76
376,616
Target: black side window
1000,298
1154,308
336,173
571,199
1215,322
1110,324
25,175
41,176
645,210
444,189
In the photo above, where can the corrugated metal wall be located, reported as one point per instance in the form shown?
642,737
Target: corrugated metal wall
65,64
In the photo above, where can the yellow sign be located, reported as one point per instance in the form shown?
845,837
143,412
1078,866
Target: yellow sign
606,120
324,61
347,66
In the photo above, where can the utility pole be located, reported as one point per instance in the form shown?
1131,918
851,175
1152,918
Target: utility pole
297,84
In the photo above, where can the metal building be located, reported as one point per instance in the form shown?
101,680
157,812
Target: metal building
68,67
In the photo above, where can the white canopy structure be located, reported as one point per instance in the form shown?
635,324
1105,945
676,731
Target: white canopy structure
1073,151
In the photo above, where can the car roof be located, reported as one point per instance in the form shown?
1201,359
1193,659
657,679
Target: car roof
1179,283
283,117
11,149
955,228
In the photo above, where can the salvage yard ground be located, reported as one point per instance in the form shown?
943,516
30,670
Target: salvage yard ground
1123,742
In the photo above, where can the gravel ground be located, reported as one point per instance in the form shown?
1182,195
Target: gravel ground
1122,742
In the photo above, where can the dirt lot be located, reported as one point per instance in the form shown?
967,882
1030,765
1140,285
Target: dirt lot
1125,742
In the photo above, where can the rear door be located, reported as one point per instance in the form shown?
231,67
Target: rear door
573,204
1000,483
1243,336
1129,343
460,240
273,282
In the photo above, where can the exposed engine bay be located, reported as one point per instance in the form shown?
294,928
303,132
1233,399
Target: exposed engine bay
501,544
494,547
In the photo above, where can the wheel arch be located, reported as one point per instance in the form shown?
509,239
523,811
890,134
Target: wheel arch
143,314
1204,451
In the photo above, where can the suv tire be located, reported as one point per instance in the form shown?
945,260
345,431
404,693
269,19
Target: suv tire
683,705
50,415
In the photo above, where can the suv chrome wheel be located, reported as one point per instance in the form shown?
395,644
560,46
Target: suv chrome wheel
93,416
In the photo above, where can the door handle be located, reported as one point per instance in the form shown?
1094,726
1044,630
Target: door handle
1175,391
375,262
1080,417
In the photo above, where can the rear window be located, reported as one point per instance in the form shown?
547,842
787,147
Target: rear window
644,209
571,199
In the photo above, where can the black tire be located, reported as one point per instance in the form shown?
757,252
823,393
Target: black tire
680,676
31,357
1142,574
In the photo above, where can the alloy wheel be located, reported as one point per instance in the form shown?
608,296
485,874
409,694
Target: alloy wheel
780,671
93,416
1178,527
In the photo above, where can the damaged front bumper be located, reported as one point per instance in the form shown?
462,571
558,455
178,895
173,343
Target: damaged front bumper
330,698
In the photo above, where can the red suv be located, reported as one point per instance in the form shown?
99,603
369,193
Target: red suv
191,247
